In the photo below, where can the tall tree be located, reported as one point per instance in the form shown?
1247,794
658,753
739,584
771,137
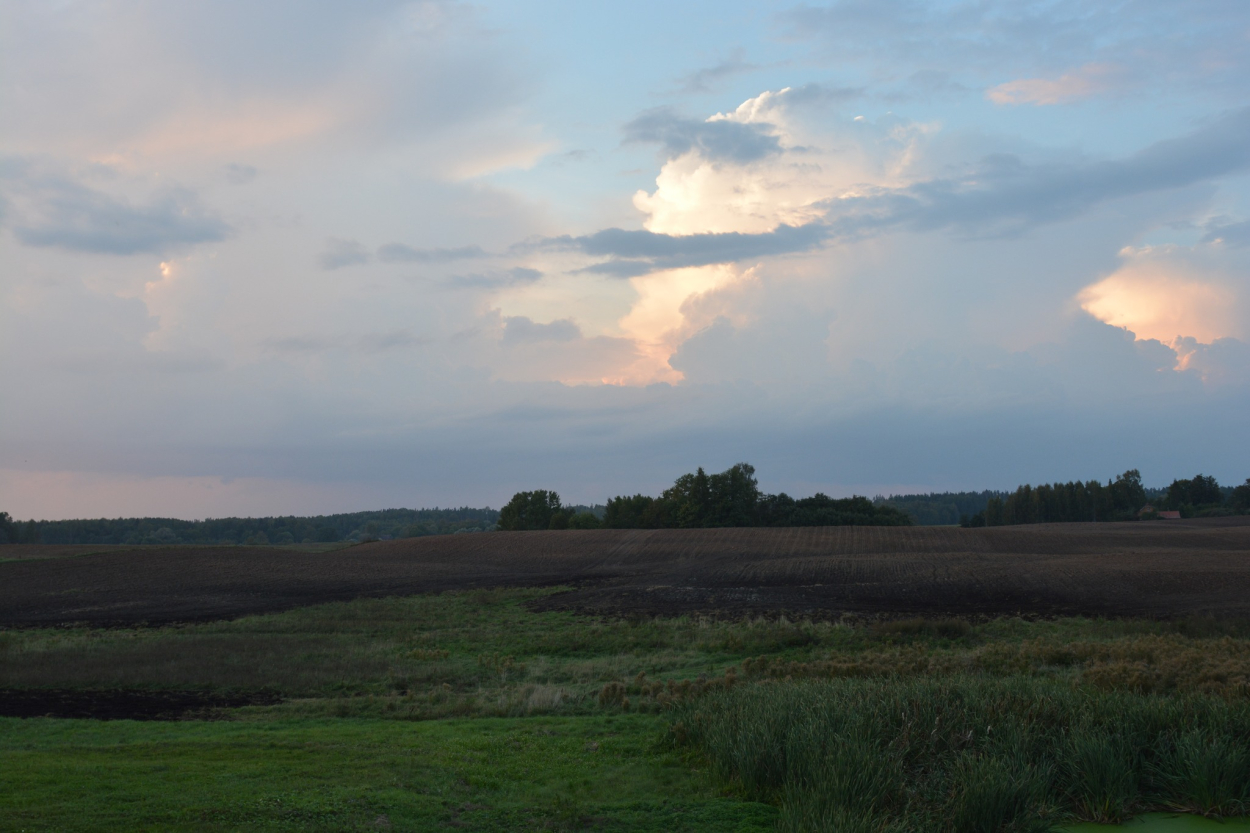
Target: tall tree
531,510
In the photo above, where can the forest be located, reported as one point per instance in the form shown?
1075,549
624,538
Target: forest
1122,499
351,526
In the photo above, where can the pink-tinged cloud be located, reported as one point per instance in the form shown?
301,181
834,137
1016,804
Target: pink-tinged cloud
1089,80
1158,294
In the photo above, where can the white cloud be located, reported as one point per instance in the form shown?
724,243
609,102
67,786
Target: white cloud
818,160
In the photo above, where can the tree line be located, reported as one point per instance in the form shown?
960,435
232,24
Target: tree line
940,508
1121,499
731,498
351,526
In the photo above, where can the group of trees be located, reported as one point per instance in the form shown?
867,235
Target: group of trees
542,509
12,532
730,498
940,508
1121,499
352,526
1198,492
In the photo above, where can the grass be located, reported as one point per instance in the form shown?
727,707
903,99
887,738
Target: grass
468,710
970,753
487,774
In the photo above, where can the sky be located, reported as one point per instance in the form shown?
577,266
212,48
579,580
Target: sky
312,257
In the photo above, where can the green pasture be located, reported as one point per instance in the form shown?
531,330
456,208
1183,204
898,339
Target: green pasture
470,711
358,774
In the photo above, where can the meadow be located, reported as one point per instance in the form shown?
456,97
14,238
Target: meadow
481,710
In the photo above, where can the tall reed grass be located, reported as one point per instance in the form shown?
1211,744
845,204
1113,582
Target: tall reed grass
968,753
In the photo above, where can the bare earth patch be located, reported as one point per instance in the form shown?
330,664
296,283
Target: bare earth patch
1151,569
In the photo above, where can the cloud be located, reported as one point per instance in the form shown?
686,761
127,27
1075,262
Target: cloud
55,211
1004,194
364,343
714,139
819,154
518,329
340,253
1230,234
1223,362
619,268
399,253
1160,44
240,174
516,276
235,82
704,80
1086,82
637,252
1168,293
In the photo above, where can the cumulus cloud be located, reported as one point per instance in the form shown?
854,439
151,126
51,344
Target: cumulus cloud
819,155
1223,362
1169,293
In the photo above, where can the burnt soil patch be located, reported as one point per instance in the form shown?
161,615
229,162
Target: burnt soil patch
125,704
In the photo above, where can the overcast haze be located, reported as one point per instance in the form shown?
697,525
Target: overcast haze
304,258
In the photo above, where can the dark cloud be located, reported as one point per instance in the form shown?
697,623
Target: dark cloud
638,252
399,253
706,79
58,212
521,330
718,140
619,268
1006,195
340,253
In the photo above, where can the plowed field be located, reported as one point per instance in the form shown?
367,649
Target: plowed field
1164,569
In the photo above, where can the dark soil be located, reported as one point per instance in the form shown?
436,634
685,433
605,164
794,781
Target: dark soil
123,704
1170,569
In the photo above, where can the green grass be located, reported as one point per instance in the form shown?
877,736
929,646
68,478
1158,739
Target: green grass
969,753
485,774
468,710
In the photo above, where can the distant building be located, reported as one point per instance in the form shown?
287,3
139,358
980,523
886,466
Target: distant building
1148,512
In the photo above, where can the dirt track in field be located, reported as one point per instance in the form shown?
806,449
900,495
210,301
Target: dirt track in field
1157,569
